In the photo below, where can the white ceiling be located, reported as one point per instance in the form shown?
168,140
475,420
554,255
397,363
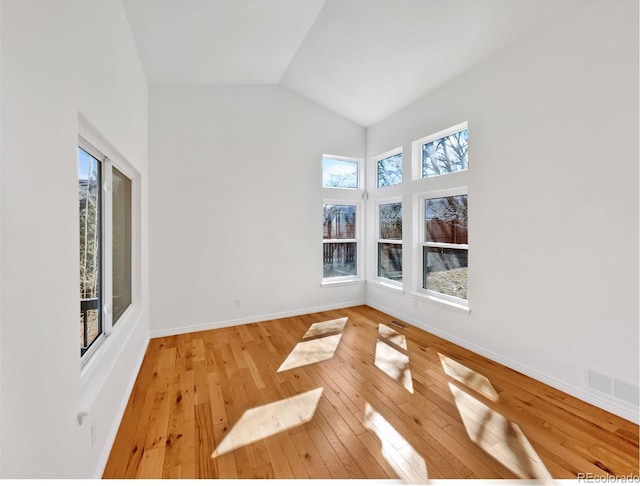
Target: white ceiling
364,59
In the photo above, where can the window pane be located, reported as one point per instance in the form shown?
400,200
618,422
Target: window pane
445,155
390,221
121,243
390,261
446,219
339,173
339,260
339,222
390,171
445,271
90,249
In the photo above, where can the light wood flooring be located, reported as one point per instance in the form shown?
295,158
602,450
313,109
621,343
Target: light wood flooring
365,398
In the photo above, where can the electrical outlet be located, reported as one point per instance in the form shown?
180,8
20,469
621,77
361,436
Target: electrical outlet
415,304
237,302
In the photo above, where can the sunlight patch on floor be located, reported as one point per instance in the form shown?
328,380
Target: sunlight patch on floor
392,361
270,419
309,352
325,327
472,379
499,437
400,455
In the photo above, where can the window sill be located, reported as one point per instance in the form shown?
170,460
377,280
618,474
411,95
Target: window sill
462,308
337,283
387,286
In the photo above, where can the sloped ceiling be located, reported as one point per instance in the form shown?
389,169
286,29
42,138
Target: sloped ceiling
364,59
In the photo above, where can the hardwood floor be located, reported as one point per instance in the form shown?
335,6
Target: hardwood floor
273,400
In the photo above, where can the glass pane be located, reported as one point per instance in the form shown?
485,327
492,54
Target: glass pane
121,243
339,222
445,155
390,261
339,173
446,219
89,176
390,221
339,260
445,271
390,171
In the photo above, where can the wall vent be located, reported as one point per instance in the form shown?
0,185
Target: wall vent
626,392
615,388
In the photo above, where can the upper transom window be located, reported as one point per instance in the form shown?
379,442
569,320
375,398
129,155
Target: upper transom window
444,152
340,173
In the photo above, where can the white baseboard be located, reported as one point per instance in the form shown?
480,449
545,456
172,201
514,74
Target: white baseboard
626,411
248,320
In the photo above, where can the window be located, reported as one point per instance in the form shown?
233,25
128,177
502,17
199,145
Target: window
89,186
340,245
105,211
441,251
390,241
389,170
121,203
341,221
442,153
445,246
340,172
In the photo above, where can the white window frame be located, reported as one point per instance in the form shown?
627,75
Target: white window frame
420,291
360,177
349,197
416,151
386,155
107,165
383,280
357,240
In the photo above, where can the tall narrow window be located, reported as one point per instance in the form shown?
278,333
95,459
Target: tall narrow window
390,241
121,251
342,181
445,246
90,209
105,209
339,241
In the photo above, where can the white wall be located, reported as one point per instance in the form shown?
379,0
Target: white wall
61,60
553,202
236,205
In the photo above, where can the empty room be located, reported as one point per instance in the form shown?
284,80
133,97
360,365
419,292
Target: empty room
393,240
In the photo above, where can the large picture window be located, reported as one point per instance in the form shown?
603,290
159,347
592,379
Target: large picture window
105,217
390,241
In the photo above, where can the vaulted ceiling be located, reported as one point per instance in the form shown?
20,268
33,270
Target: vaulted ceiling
364,59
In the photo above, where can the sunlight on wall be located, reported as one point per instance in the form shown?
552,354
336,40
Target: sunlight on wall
472,379
499,437
271,419
400,455
390,360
